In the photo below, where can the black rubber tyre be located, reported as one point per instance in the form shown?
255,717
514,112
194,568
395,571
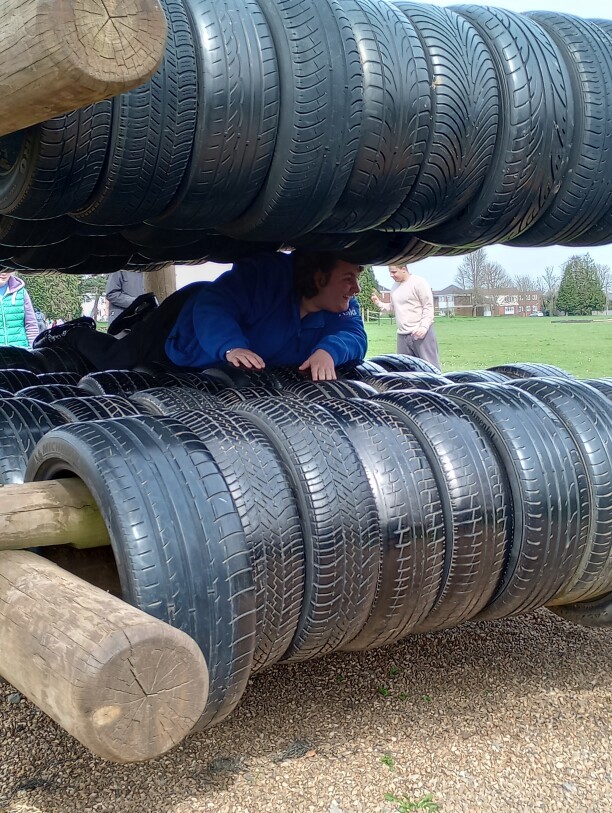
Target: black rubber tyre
56,360
396,117
116,382
6,394
530,370
358,372
534,135
23,423
323,390
14,379
26,233
547,536
393,382
601,233
586,190
465,113
587,416
175,532
61,257
476,377
52,168
475,500
597,613
238,110
401,363
230,396
263,496
321,85
95,407
144,235
47,393
18,358
58,378
410,518
603,385
169,400
339,524
152,135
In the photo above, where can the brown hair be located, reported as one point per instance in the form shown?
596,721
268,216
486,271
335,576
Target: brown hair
305,265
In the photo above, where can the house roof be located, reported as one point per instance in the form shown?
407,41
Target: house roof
451,289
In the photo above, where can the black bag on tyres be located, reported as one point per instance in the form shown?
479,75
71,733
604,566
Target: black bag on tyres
175,532
339,522
410,517
587,416
475,502
263,496
544,473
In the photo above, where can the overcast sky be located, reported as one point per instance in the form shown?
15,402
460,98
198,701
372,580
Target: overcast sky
441,272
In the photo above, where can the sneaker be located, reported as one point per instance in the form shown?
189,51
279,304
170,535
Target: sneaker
134,313
50,337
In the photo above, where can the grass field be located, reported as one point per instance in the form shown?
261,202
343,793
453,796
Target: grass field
581,348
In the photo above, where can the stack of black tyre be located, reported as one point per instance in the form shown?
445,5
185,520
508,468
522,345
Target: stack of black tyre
382,131
276,519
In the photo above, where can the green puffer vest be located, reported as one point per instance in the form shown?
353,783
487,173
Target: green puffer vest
12,319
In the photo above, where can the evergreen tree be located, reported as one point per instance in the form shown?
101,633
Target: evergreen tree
580,291
58,296
368,285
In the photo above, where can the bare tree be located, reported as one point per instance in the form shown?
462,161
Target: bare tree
470,276
605,278
549,285
495,276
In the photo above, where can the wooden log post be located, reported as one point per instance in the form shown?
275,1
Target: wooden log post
162,283
126,685
59,55
54,512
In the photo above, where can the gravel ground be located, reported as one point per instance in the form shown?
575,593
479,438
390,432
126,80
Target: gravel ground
508,716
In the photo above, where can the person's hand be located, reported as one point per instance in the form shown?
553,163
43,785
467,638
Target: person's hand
419,333
241,357
375,297
321,366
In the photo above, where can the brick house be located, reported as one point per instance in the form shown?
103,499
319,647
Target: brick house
455,301
452,301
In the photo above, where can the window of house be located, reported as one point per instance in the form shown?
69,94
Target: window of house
509,309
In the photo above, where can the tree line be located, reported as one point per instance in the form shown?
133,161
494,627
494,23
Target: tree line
580,287
61,296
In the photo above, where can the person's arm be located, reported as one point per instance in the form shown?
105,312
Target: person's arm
225,307
31,322
115,293
425,296
345,341
385,307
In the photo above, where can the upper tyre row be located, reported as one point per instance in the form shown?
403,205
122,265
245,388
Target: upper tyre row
385,131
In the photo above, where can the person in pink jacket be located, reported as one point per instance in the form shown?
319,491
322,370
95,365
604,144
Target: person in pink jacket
18,323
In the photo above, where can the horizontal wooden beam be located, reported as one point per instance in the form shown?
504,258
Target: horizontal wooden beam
54,512
59,55
126,685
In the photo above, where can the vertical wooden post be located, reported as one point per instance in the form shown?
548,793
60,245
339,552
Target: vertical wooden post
162,283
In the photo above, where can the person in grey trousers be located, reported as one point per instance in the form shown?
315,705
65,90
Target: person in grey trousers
412,303
122,289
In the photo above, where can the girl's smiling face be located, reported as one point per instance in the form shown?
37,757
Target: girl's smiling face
5,276
336,292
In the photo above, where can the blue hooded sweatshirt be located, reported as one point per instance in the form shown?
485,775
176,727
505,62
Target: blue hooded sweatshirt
254,306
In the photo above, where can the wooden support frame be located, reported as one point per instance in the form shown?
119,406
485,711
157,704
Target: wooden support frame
126,685
59,55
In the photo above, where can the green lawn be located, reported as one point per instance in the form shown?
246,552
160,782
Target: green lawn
581,348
